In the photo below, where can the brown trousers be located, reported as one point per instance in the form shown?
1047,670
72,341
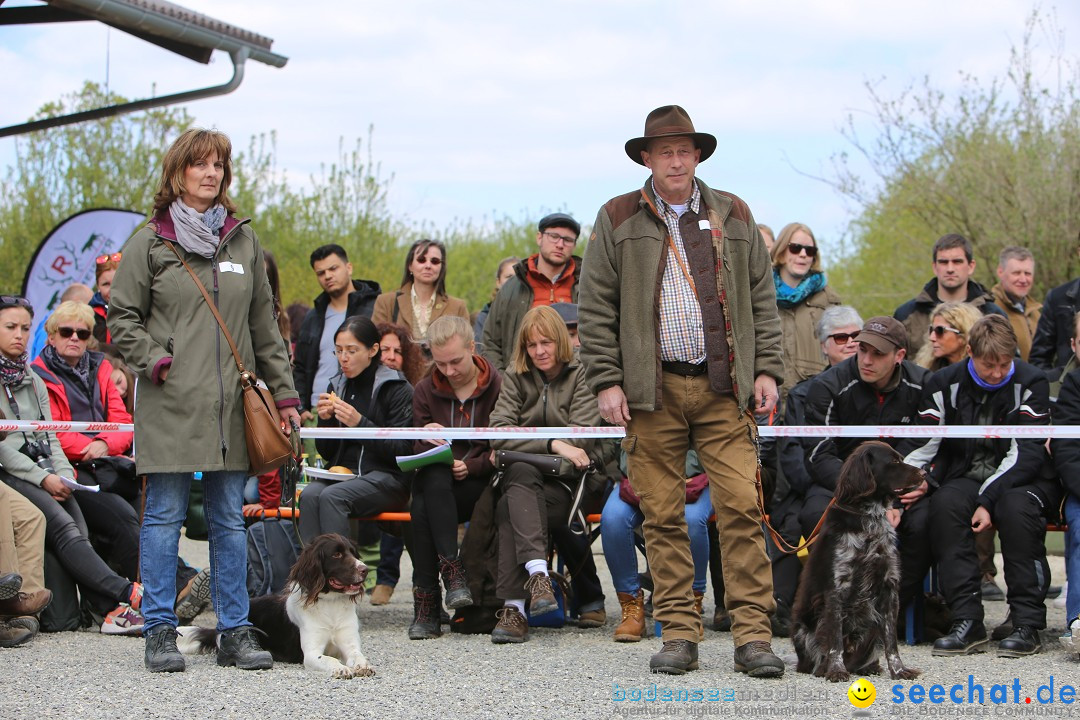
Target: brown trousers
22,539
656,444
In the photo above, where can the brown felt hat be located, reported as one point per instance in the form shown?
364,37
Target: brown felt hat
669,121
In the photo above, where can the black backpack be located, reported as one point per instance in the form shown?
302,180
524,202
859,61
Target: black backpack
273,546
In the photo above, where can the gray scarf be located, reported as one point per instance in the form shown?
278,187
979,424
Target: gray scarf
197,232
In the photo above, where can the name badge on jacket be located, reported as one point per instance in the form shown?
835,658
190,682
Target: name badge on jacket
226,266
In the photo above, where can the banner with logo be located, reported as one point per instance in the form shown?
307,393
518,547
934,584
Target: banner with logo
69,253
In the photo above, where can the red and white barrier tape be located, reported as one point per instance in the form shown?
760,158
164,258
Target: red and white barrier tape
509,433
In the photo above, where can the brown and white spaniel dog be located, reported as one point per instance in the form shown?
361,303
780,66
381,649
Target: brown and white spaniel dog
313,620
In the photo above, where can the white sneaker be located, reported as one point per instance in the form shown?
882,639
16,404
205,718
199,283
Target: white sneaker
1071,638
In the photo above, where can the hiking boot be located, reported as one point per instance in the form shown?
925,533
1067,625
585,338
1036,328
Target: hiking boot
721,621
965,638
425,624
675,658
161,653
511,628
124,620
990,590
241,648
541,597
1070,639
592,618
14,635
756,659
1004,630
194,598
381,594
10,584
1023,641
24,604
632,626
453,577
781,619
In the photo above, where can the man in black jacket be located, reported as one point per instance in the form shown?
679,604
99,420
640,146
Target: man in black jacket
954,264
1067,459
974,480
315,363
875,387
1050,347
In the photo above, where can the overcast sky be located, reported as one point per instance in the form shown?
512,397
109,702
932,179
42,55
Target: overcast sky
483,109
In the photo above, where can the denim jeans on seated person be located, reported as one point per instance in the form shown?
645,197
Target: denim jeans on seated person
618,522
1072,556
166,508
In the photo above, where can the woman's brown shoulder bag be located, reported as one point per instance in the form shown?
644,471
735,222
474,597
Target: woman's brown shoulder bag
268,447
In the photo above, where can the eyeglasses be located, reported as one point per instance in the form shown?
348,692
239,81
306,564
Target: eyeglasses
15,301
557,238
940,330
796,248
102,259
436,261
351,351
66,332
843,338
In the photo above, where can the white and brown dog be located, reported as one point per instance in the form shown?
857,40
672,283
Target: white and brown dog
313,620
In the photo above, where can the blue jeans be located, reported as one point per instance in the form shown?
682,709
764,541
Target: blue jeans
1072,556
617,524
166,508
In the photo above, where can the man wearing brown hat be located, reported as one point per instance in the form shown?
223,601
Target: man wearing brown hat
680,339
876,386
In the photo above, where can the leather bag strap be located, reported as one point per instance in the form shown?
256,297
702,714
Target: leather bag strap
213,309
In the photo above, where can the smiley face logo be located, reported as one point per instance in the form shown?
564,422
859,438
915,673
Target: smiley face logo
862,693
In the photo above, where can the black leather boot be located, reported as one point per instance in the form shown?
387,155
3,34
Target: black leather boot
1023,641
453,577
161,652
965,637
239,647
425,624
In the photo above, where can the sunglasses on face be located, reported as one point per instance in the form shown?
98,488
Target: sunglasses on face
796,248
102,259
940,330
436,261
844,338
66,332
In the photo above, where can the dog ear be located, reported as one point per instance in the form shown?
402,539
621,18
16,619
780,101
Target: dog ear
856,479
307,572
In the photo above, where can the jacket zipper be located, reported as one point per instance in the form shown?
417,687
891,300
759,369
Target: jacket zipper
217,344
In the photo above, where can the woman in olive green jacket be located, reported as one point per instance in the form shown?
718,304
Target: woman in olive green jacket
188,408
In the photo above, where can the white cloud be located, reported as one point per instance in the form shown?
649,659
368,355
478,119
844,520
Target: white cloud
482,108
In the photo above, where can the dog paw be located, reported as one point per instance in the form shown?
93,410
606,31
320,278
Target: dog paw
837,676
343,673
362,671
906,674
871,669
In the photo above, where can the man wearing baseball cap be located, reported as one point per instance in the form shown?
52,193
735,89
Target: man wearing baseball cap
680,339
875,386
547,277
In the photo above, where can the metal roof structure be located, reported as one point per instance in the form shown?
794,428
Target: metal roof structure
169,26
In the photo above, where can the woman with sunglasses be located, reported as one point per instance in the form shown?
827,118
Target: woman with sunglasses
189,414
948,334
802,294
422,296
33,464
104,272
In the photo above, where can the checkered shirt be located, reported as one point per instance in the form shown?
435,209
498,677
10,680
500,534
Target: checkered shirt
682,333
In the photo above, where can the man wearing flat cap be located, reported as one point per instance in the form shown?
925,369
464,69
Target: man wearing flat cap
680,339
546,277
875,386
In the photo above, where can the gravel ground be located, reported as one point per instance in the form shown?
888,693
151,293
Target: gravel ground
567,673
